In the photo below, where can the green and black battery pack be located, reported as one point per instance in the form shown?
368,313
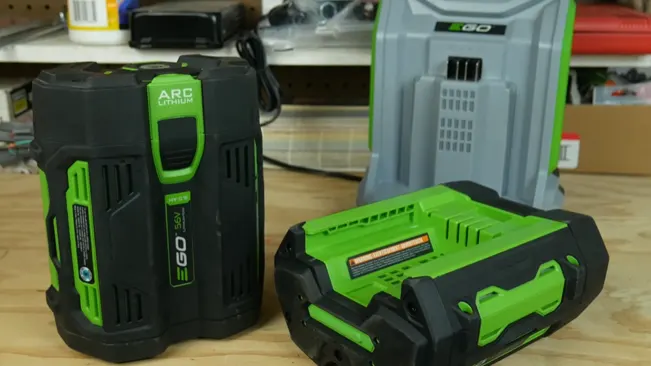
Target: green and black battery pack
153,197
451,275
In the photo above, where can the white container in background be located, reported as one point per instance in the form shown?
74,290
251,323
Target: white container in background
99,22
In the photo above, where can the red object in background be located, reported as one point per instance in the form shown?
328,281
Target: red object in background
611,30
570,136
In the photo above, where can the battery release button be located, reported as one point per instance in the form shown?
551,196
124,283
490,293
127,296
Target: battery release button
178,142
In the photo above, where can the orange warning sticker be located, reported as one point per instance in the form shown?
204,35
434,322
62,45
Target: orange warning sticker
390,255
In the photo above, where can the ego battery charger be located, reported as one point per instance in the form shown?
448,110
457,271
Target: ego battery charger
469,90
153,197
451,275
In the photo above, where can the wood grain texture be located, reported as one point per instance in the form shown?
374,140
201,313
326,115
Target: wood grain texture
615,330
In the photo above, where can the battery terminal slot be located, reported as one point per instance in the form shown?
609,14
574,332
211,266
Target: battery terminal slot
464,68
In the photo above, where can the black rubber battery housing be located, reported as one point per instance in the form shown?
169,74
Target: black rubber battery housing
153,199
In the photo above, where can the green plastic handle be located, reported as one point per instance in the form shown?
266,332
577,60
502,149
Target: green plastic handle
499,308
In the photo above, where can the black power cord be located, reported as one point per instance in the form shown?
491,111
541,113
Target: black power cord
251,49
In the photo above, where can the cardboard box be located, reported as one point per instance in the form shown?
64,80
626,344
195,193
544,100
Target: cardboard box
607,139
15,100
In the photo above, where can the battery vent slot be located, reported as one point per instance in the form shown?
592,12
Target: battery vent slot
118,183
240,281
374,218
239,163
467,230
80,185
397,276
128,306
53,241
90,302
240,218
464,68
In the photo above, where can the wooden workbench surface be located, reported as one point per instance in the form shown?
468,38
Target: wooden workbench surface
615,330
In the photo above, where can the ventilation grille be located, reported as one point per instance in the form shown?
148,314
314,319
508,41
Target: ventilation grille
241,280
457,123
467,230
79,183
396,276
240,249
458,100
374,218
89,298
118,183
239,164
455,135
128,306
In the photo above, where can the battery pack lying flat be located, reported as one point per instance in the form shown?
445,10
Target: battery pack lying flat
450,275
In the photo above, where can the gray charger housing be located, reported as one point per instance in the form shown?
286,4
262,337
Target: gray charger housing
469,90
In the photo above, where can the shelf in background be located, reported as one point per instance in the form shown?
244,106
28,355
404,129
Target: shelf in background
57,48
611,61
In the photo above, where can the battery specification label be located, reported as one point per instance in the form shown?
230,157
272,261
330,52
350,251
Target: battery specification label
390,255
85,265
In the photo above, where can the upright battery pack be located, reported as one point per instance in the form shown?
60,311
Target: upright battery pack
469,90
452,275
153,197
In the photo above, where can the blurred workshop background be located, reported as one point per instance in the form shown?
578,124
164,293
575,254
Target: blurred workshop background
320,53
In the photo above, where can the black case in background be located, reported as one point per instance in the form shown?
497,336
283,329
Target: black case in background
186,24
